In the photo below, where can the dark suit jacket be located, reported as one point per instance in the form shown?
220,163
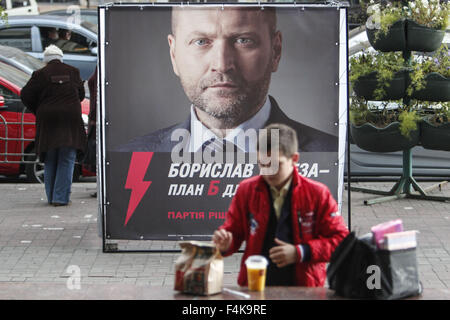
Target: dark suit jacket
309,139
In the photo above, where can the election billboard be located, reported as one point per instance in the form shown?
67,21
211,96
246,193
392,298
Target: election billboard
187,90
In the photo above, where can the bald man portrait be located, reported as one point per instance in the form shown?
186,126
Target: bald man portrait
224,58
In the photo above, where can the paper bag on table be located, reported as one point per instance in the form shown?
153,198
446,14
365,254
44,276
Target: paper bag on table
199,269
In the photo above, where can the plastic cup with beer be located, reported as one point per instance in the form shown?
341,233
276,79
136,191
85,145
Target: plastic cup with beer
256,272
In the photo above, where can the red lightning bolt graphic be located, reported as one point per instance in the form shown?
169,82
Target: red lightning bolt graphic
135,180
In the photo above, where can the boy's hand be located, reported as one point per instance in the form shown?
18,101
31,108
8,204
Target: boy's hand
222,238
283,254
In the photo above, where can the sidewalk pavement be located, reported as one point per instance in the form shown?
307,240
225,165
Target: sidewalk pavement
38,242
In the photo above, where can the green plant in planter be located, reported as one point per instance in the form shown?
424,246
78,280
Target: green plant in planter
408,122
435,113
435,127
438,63
384,15
381,115
385,65
429,13
359,111
442,115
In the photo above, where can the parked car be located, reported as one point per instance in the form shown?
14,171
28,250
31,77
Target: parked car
31,34
89,15
19,7
426,163
18,129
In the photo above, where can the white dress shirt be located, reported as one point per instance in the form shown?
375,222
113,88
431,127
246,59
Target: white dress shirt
200,134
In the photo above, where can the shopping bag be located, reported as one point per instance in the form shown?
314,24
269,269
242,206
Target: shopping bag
199,268
399,274
357,269
346,272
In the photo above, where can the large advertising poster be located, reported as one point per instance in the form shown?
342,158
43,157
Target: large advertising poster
185,91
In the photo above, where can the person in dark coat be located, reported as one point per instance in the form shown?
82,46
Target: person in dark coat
54,94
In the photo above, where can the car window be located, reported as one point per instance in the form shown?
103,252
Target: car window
68,41
12,100
82,42
16,37
20,3
6,93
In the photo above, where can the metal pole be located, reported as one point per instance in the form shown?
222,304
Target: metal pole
349,175
407,170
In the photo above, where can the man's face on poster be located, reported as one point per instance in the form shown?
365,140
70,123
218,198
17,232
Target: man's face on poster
224,58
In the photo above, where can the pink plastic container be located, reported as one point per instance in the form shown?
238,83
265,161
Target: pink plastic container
381,229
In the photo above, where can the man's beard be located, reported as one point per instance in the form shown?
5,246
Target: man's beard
235,107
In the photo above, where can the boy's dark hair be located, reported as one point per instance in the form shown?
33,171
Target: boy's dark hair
288,142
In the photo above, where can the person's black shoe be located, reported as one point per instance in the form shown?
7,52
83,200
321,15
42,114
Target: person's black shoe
57,204
94,195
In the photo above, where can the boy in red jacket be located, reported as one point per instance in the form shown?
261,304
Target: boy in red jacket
291,220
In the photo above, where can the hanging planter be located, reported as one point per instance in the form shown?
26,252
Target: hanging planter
404,35
421,38
408,25
435,137
430,77
437,88
393,40
387,139
365,86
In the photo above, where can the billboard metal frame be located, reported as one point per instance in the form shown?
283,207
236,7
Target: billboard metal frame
108,245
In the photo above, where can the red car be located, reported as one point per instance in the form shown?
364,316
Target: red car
18,129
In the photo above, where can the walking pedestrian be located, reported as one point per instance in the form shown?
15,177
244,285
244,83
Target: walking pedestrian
53,94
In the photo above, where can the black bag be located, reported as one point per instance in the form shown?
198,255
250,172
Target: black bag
355,260
89,159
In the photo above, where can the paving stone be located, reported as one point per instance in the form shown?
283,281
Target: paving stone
4,279
444,275
45,259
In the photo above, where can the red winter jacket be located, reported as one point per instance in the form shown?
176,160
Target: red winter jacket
322,228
